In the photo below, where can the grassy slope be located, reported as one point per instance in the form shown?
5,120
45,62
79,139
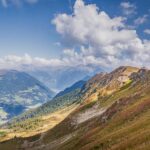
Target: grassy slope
125,124
43,118
37,125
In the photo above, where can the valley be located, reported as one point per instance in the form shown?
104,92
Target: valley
19,92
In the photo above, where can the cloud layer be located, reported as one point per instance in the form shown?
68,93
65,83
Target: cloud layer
26,61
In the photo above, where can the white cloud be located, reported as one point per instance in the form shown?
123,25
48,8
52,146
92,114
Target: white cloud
28,63
103,41
128,8
6,3
147,31
141,20
95,39
19,62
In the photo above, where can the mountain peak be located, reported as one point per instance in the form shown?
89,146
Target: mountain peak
107,83
126,69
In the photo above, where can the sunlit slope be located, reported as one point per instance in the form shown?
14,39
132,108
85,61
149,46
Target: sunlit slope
117,120
36,125
104,84
124,125
45,117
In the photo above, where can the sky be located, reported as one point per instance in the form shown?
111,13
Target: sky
87,34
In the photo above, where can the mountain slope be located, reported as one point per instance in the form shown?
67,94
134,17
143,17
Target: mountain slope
106,83
77,85
117,120
64,102
65,98
123,125
19,92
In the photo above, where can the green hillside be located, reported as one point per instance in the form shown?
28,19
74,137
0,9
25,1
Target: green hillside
20,92
116,120
32,119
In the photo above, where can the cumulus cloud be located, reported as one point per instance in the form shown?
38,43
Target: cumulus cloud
104,41
6,3
19,62
128,8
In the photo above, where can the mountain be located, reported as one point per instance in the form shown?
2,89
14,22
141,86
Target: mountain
106,83
77,85
46,116
112,112
60,79
63,99
19,92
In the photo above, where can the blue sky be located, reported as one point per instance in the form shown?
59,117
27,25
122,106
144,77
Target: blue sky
27,31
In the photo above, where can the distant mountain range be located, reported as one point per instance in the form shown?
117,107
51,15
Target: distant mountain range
60,79
19,92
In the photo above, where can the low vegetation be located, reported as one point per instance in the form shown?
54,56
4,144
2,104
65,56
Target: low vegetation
120,119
